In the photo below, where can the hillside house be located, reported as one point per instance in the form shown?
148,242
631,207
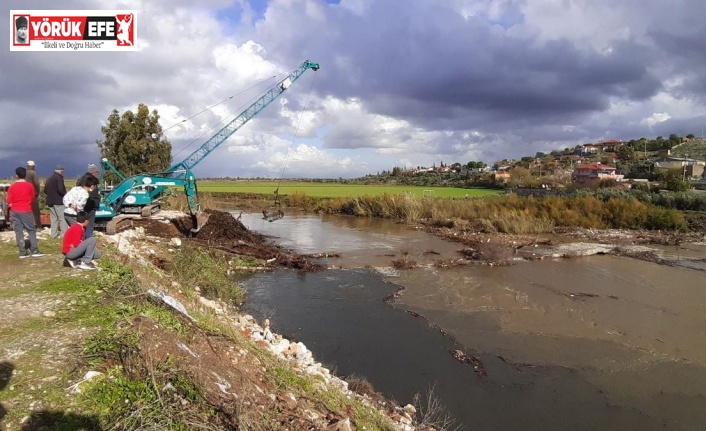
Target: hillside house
691,168
469,171
502,174
571,159
611,145
590,175
589,149
422,170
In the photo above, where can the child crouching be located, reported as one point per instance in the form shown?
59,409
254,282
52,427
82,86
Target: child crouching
80,253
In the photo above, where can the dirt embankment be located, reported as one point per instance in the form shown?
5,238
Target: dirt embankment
225,233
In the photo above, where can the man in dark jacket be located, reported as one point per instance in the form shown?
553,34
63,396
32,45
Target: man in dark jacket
33,178
55,189
94,198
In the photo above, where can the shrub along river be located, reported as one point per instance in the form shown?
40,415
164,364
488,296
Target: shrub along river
590,343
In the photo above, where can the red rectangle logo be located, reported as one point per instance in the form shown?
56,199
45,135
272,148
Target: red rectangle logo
90,30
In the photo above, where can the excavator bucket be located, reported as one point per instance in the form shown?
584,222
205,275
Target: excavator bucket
274,215
201,219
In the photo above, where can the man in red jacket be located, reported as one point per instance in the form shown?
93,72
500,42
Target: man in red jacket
19,199
80,253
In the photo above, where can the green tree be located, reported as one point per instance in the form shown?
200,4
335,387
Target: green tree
626,153
673,180
134,143
626,168
521,177
473,164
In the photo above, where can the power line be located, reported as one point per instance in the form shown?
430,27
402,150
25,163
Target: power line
232,114
216,104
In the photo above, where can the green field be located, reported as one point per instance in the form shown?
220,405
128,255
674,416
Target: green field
322,190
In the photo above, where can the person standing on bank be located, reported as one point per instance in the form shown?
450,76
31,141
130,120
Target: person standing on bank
33,179
80,253
19,199
76,199
55,189
94,199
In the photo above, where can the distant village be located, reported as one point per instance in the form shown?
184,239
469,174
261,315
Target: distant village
611,163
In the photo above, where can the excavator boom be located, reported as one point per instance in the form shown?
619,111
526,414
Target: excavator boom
234,125
137,193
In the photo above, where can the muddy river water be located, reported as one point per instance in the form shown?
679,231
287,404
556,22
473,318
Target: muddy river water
590,343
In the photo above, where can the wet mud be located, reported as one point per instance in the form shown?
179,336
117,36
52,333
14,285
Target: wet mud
225,233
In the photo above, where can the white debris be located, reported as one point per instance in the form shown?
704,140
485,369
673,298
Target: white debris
75,388
175,304
186,348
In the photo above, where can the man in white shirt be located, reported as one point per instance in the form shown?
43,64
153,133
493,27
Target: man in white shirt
75,199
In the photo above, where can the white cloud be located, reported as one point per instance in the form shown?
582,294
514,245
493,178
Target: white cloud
657,117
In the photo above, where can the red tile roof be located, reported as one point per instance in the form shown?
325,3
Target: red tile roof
595,167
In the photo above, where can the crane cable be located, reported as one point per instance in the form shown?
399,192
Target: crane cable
289,150
227,118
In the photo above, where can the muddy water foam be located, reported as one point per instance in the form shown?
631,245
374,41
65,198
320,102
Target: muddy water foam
591,343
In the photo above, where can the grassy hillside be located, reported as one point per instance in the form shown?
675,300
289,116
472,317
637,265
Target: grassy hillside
695,149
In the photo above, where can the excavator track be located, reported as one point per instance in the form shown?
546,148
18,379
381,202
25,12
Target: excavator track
118,224
149,210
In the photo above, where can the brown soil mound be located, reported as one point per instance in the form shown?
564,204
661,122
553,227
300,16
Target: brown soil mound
225,233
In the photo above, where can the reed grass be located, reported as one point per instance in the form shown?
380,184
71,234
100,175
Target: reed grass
517,214
501,213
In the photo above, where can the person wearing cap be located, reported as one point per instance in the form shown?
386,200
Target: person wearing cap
94,198
19,199
55,189
33,178
21,25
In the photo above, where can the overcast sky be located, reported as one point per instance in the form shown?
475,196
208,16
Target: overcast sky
402,83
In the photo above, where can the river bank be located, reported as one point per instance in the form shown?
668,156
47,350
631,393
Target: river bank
129,345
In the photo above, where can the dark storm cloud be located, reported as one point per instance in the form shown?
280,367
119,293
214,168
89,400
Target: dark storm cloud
416,81
450,63
427,64
41,82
